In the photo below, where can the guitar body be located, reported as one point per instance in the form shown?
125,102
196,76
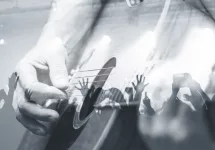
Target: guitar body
123,41
108,68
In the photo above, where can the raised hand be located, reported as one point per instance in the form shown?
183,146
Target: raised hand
83,86
145,106
147,101
140,86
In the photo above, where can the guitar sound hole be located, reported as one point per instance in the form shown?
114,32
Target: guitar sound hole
90,100
96,91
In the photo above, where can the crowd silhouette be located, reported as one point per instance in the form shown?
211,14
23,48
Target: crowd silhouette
198,104
6,97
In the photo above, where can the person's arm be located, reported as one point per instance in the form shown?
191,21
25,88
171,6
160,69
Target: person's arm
199,96
43,72
170,107
73,22
145,107
175,90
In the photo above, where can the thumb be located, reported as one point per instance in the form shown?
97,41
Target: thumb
58,72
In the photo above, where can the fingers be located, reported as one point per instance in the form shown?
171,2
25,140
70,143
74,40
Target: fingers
87,81
141,76
146,84
35,91
77,88
39,93
37,112
31,124
58,72
80,83
144,78
29,114
83,81
140,79
146,95
27,74
137,78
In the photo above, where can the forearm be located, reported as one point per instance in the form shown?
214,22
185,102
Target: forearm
174,95
70,19
204,95
137,97
72,22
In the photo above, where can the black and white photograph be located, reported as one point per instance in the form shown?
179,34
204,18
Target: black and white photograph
107,74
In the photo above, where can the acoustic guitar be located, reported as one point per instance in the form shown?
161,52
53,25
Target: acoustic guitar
122,39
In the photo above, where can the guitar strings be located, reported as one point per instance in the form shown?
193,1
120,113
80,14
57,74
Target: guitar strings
87,76
95,69
99,81
102,94
93,76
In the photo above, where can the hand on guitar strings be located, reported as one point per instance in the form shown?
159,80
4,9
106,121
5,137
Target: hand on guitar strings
43,79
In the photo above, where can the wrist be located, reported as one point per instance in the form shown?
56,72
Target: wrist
174,95
175,91
137,96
